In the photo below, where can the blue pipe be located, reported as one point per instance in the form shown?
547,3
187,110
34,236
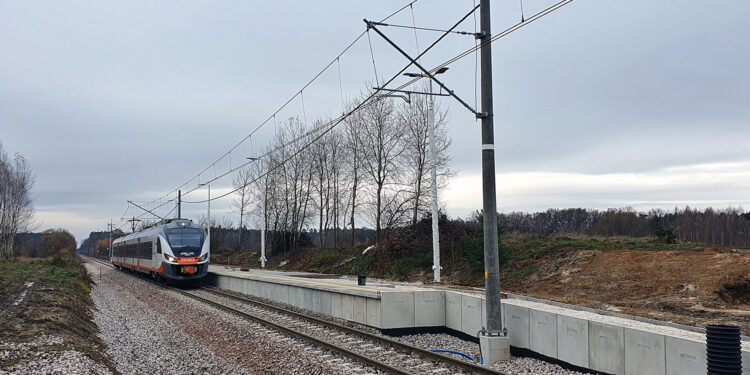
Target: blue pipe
452,352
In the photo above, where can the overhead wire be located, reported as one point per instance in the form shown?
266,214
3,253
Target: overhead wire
368,100
335,122
286,103
494,38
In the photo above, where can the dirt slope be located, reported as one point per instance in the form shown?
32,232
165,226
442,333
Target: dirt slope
696,287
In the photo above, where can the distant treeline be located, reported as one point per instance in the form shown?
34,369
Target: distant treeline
724,227
50,243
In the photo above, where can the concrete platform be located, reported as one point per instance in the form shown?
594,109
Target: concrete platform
594,339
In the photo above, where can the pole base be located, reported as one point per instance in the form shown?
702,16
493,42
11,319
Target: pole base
494,349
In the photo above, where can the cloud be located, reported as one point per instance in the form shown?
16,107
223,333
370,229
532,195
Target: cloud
699,185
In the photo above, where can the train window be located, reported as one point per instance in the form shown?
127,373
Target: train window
185,238
158,246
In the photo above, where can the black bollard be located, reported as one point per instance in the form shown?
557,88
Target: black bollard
723,350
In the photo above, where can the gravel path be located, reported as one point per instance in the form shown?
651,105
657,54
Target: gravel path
152,330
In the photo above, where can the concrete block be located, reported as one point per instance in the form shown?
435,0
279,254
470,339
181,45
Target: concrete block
307,298
337,305
494,349
325,302
745,363
543,332
397,310
644,353
573,340
360,310
606,348
453,310
429,308
347,307
517,323
283,293
685,356
471,314
234,284
317,301
373,313
294,296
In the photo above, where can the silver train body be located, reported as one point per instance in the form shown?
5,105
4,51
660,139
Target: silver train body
175,250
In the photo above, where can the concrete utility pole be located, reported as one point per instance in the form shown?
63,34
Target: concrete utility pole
435,214
494,342
179,204
263,234
209,210
110,237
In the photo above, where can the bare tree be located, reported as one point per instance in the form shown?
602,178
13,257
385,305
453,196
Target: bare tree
16,210
242,182
381,141
413,118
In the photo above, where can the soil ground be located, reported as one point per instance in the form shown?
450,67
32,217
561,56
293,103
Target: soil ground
693,287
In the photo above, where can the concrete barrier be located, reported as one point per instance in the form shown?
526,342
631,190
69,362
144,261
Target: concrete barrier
453,311
471,314
429,308
543,332
645,353
517,323
573,340
606,348
684,356
397,310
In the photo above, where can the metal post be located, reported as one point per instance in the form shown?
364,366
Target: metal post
179,204
435,217
491,258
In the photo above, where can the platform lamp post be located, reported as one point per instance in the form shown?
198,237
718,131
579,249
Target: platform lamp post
209,211
433,178
262,227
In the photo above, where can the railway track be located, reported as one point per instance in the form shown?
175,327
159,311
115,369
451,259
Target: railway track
379,352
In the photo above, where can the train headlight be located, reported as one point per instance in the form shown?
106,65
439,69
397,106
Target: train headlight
171,259
203,257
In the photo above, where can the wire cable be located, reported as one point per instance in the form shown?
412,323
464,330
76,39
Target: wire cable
272,116
494,38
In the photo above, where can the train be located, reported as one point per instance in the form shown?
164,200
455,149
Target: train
175,250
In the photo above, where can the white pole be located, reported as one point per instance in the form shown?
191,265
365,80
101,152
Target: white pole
433,159
209,215
263,235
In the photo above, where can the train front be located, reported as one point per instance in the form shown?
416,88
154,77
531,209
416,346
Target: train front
185,250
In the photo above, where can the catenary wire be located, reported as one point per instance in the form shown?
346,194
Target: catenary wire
267,120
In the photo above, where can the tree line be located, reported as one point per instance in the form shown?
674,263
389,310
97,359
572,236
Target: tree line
370,170
724,227
16,209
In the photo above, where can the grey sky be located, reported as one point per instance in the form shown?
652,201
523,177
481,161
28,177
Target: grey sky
600,104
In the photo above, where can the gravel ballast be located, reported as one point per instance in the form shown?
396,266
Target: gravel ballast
35,357
149,329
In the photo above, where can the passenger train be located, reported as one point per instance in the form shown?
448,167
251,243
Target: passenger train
176,250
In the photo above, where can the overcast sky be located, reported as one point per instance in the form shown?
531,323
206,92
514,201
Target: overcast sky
600,104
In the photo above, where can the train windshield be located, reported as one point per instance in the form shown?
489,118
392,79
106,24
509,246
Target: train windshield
185,238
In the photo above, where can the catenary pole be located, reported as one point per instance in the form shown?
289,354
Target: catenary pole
433,172
263,232
111,225
491,256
